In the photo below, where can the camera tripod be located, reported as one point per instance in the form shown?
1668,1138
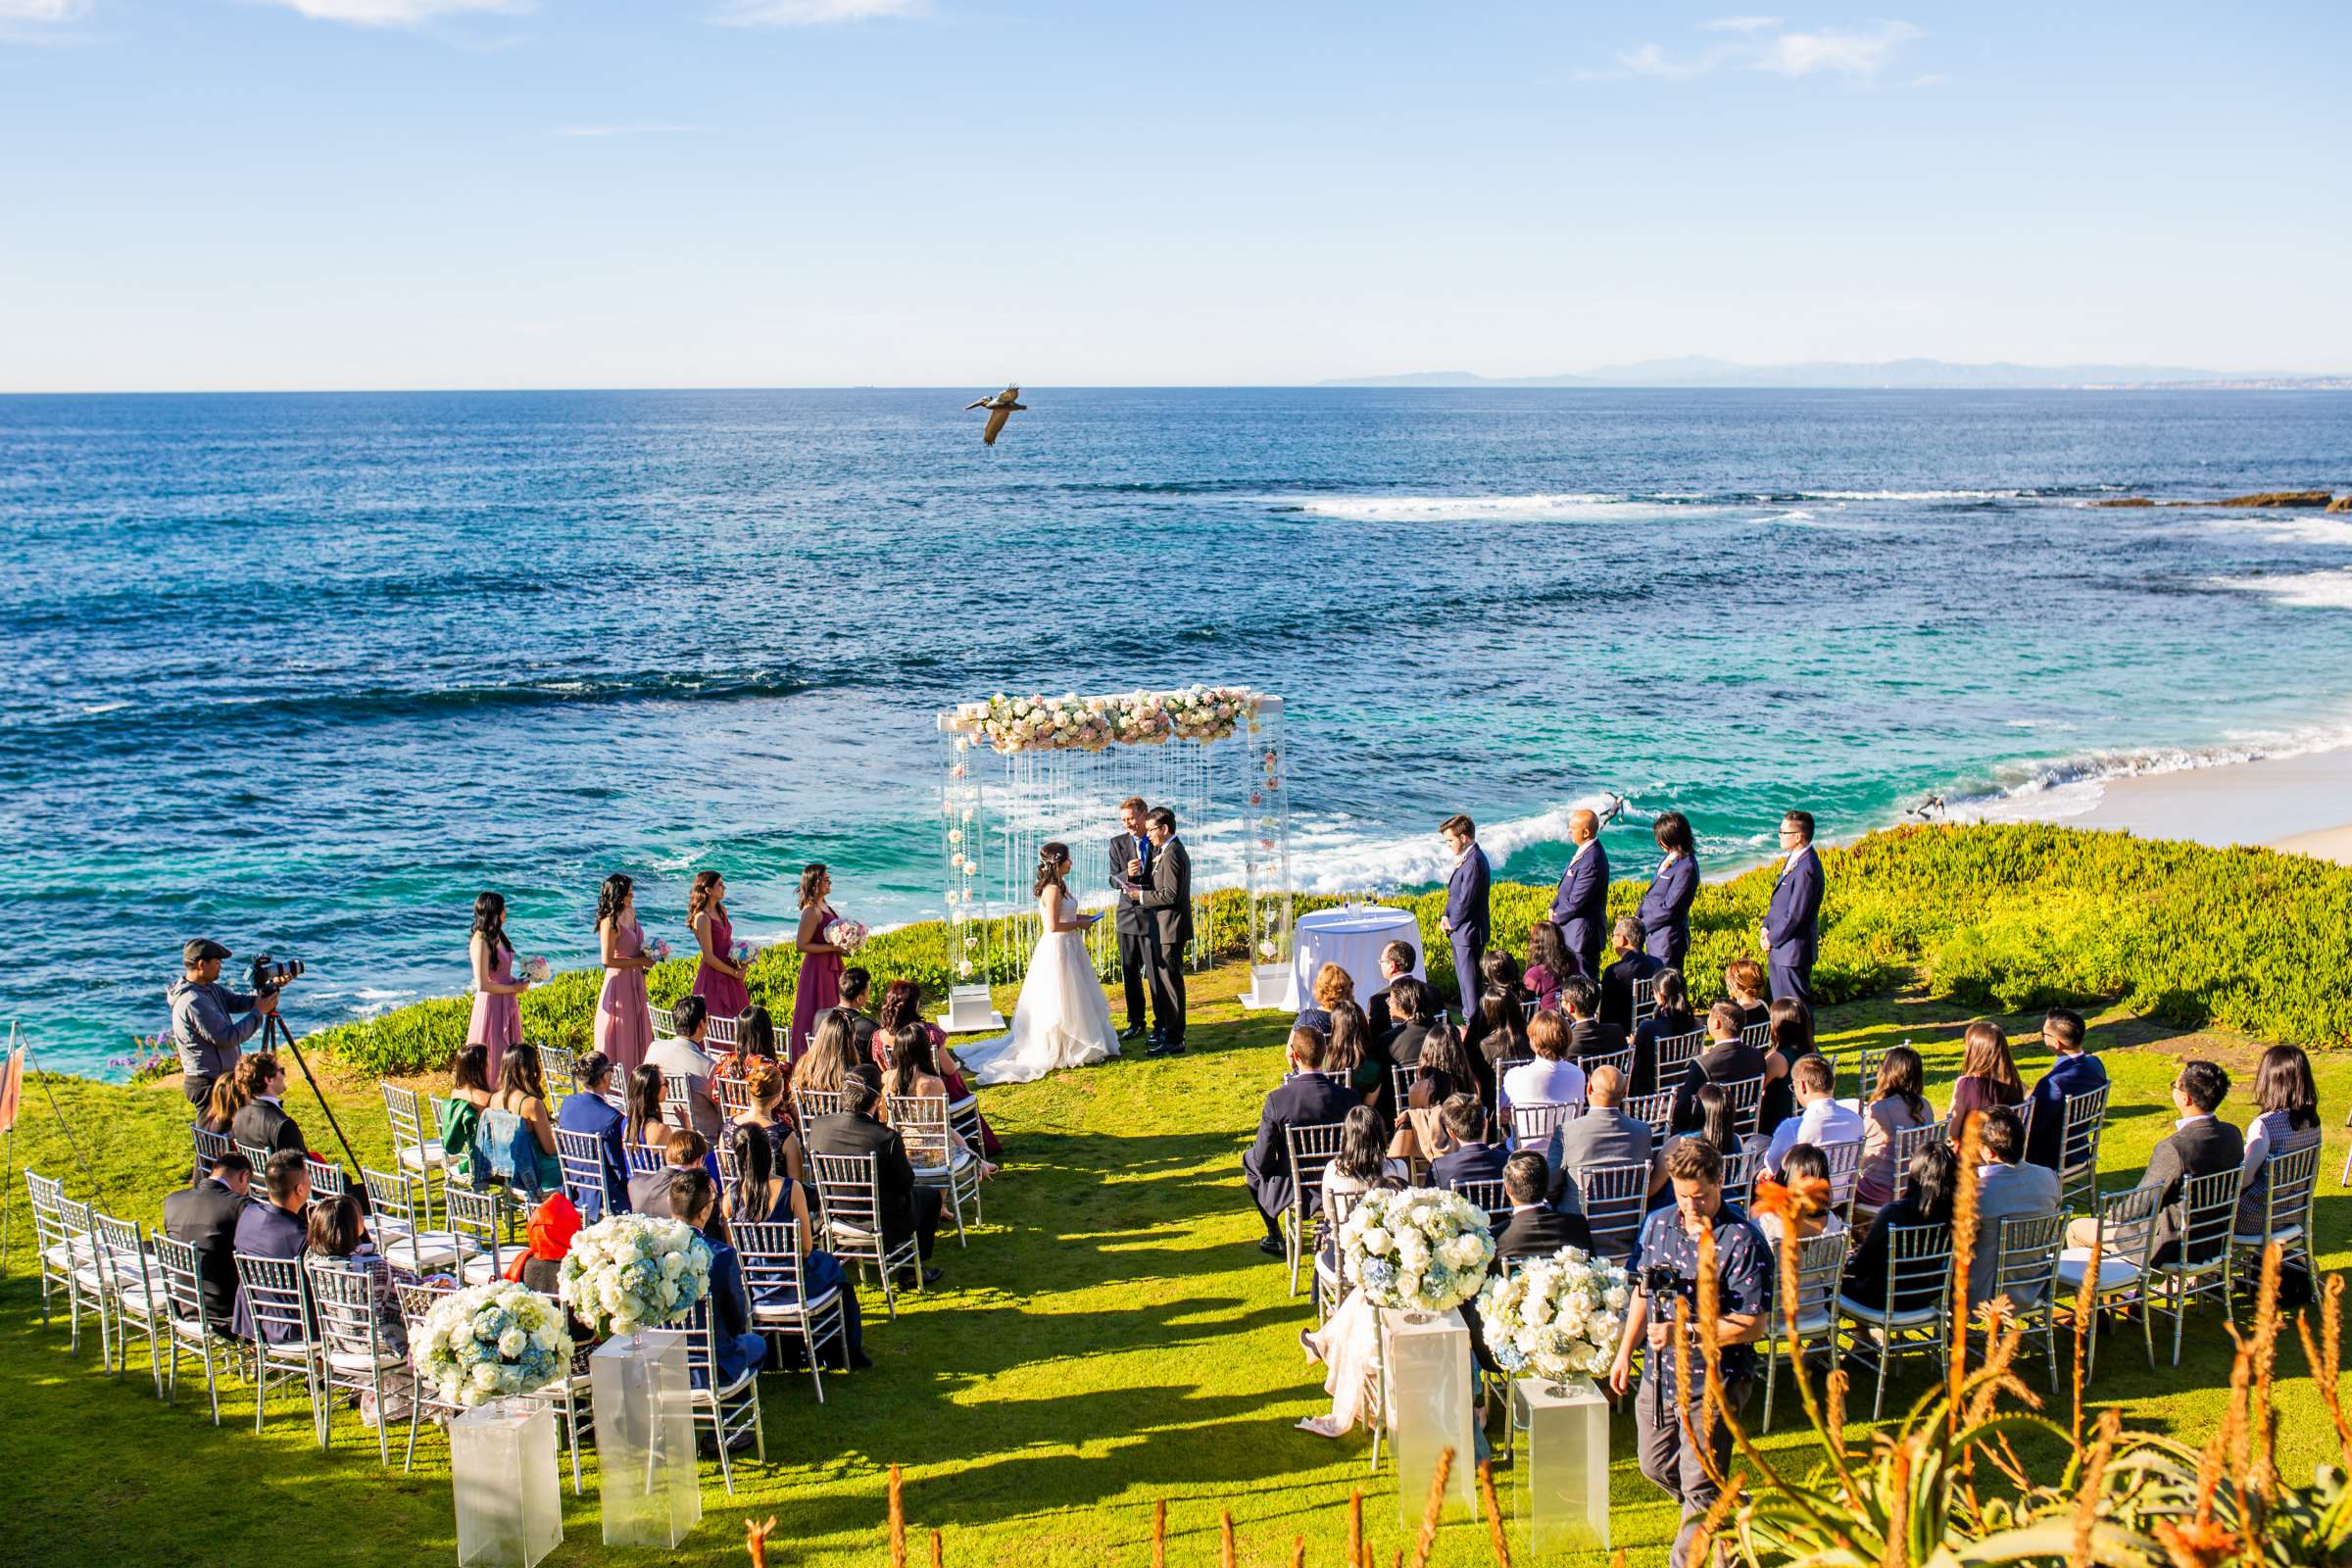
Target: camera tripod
273,1028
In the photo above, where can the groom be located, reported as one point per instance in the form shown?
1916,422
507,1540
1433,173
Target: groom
1166,899
1131,854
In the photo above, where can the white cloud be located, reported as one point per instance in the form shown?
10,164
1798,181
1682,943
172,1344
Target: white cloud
396,13
41,10
1851,54
812,12
1742,24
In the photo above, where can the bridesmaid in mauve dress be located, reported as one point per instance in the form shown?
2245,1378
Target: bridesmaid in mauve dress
820,985
717,979
625,1026
497,994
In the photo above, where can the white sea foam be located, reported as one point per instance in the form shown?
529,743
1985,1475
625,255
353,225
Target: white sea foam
1912,495
2288,527
2309,590
2050,790
1539,508
95,709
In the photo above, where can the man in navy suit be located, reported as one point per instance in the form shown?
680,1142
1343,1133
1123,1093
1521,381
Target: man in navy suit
1581,909
1617,980
1465,921
1471,1158
273,1229
1305,1099
2073,1072
1792,929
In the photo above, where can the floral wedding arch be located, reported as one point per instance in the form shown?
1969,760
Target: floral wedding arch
1019,771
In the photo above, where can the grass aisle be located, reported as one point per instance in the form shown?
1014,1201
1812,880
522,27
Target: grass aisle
1110,1338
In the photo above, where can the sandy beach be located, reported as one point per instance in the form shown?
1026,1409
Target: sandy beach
2301,804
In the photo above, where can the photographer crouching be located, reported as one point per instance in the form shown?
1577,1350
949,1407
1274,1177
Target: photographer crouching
1665,1266
205,1022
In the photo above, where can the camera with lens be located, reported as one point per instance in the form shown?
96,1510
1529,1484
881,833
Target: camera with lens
1661,1279
270,976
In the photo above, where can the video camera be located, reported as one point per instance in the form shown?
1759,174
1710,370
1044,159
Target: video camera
1661,1280
270,977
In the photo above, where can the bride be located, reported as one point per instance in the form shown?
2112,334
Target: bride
1063,1016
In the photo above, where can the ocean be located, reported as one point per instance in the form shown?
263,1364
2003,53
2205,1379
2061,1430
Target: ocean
305,672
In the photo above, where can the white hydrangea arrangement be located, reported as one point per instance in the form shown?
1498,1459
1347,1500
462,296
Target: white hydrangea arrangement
1556,1317
491,1342
1419,1250
1039,723
631,1271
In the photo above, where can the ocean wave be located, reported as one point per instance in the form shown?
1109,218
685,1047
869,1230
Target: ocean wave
2309,590
1462,508
2287,528
1335,854
2050,790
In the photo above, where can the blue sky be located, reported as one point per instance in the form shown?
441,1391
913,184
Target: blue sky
446,193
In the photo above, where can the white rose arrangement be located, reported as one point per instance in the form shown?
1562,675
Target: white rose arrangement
491,1342
1556,1317
1418,1249
1011,724
631,1271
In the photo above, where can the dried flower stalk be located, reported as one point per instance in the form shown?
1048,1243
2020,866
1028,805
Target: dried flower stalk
1501,1546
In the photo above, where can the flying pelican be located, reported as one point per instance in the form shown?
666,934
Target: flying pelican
1004,406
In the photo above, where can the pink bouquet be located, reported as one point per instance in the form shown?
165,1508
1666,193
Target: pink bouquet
535,970
657,949
741,953
847,935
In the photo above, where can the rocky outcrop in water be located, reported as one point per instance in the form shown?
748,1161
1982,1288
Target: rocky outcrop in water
2260,498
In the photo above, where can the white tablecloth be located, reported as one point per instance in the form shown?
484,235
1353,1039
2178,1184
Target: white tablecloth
1351,938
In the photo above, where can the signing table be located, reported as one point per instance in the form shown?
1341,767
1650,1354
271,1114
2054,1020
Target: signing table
1350,937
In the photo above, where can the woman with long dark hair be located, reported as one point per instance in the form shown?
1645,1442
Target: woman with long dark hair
1897,1101
764,1195
469,1092
819,989
497,1021
1791,1024
1549,966
1497,1032
522,1091
1927,1200
1670,1016
645,1127
625,1023
1665,912
1447,1067
1988,1075
718,978
911,1073
1718,1126
2286,1102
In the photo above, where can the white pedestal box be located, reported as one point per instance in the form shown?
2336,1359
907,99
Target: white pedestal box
1428,1375
502,1458
1564,1479
1269,983
969,1011
645,1438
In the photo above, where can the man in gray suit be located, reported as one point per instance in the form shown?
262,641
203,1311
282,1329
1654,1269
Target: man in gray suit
1168,901
2005,1187
1604,1135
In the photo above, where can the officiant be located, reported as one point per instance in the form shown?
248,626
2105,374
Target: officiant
1131,852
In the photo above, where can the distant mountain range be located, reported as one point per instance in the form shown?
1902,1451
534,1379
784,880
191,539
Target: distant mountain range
1700,372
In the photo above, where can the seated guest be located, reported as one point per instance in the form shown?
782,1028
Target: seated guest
766,1195
1551,1078
1802,1163
1395,963
2005,1187
1305,1099
462,1112
1743,983
205,1217
1728,1059
262,1123
1361,1164
2074,1071
1791,1024
645,1128
1411,1008
856,987
1496,1031
754,1041
1899,1102
1820,1121
1988,1075
1617,981
831,1055
681,1055
218,1113
1719,1129
1332,984
1588,1033
546,1242
1534,1229
523,1094
1348,1345
1927,1200
2287,1118
738,1348
1445,1071
911,1075
339,1238
1672,1016
588,1111
766,1085
903,1004
1549,964
1350,1050
1471,1158
1604,1135
908,1211
653,1192
273,1229
2201,1144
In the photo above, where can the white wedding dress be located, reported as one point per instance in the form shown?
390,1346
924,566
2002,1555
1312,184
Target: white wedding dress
1063,1016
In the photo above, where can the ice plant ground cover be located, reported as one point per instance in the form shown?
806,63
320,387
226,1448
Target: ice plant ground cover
1110,1338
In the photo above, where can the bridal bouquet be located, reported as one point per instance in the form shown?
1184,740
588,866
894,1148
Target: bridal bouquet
490,1341
847,935
633,1271
655,948
1419,1250
1556,1317
741,953
535,970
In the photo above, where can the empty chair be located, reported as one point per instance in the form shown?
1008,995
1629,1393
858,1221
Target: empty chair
140,1301
2025,1273
395,1202
782,1306
277,1298
2126,1236
1531,1126
353,1354
478,1217
1310,1147
86,1276
2084,1120
1913,1320
849,1190
181,1275
727,1409
2203,1261
416,1139
1820,1272
49,1241
1616,1200
2290,1183
940,1158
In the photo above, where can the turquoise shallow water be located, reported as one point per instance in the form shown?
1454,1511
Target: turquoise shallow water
309,672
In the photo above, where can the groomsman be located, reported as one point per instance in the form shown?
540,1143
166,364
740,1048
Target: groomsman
1792,929
1131,852
1581,909
1168,901
1465,921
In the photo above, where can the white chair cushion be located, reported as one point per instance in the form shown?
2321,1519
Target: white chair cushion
2283,1235
779,1311
357,1364
145,1300
430,1157
477,1270
2114,1273
57,1257
1913,1317
740,1384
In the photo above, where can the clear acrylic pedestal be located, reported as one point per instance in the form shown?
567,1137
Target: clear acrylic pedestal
1564,1480
645,1438
1427,1372
502,1456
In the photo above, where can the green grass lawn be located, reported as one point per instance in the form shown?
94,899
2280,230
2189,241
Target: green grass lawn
1110,1338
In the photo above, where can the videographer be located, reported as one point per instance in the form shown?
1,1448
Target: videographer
205,1025
1665,1267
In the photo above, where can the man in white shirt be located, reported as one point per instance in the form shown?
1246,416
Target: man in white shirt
681,1054
1820,1120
